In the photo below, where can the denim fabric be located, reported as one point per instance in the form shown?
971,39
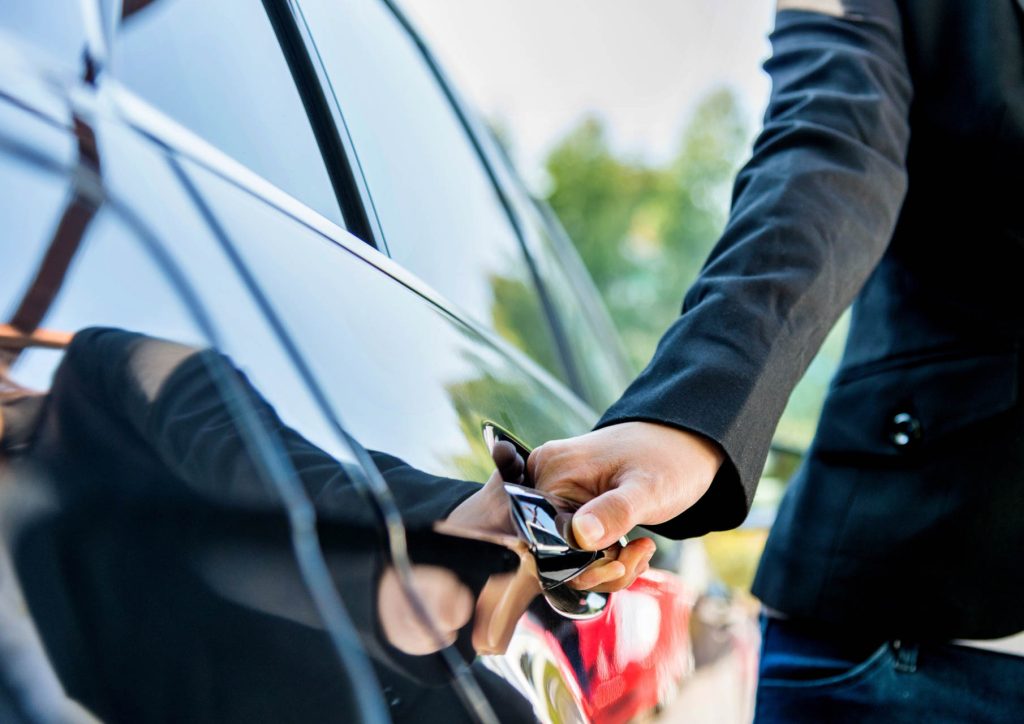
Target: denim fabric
815,674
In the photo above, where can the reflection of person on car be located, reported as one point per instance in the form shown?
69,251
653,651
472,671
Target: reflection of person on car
176,573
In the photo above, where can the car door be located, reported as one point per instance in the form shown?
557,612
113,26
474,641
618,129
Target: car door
454,231
210,620
120,278
410,372
414,380
106,598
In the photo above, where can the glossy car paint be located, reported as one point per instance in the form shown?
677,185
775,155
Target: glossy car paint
409,372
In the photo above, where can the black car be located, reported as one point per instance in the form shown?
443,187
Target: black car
294,185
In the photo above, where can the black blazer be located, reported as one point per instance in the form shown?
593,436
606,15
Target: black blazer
890,174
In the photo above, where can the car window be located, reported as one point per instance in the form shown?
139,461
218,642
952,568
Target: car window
594,343
53,26
438,208
408,377
217,68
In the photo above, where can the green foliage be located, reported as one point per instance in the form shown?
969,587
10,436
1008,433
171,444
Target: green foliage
644,231
515,312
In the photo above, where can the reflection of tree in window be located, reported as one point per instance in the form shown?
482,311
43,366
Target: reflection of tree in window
516,407
519,318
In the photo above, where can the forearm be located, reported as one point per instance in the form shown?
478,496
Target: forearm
813,211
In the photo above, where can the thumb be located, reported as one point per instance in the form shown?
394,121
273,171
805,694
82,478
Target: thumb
606,518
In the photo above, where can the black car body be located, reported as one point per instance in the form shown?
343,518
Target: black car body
294,183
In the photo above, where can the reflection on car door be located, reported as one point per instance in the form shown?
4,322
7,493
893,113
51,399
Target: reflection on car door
159,571
407,373
411,377
440,213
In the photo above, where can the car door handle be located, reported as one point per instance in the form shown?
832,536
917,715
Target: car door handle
544,522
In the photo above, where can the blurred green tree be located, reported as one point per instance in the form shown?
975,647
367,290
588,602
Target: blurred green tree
645,230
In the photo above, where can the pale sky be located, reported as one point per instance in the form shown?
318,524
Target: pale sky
539,66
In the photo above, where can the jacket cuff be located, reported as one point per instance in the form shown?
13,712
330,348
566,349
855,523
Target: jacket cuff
726,502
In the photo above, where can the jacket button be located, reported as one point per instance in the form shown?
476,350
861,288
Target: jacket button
904,430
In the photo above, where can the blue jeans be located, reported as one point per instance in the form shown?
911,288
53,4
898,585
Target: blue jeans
817,674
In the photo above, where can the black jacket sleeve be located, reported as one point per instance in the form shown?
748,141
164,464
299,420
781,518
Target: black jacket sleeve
206,423
813,212
156,425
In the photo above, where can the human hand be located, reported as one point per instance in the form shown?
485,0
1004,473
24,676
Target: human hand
488,509
447,602
626,475
505,596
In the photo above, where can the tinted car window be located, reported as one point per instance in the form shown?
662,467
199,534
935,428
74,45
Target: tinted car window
217,68
438,208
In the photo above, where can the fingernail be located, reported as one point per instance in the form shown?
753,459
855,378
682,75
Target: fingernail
588,528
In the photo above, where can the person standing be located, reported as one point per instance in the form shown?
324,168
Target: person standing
888,175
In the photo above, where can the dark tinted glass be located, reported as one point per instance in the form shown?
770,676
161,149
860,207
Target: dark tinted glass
217,68
440,213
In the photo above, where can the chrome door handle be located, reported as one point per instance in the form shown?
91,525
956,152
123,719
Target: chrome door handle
544,523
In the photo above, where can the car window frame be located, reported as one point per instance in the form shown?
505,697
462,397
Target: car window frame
294,46
472,134
326,117
179,141
329,128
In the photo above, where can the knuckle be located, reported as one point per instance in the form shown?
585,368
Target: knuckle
551,450
550,460
539,457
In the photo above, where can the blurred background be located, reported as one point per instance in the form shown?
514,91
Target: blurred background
631,120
